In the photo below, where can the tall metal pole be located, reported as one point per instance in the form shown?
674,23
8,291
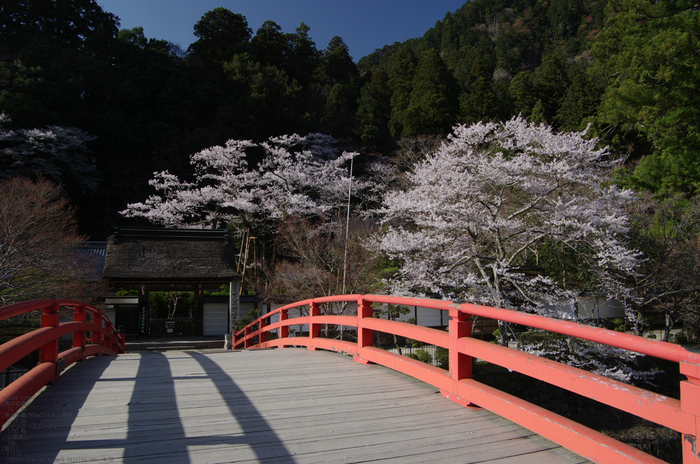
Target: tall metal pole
347,228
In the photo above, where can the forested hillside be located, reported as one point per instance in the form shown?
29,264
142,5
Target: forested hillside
572,162
144,105
507,57
629,68
111,106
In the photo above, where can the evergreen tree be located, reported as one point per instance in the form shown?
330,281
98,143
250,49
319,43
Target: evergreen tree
580,101
302,55
434,105
336,64
220,34
481,103
522,93
374,112
339,78
270,46
550,83
650,50
401,84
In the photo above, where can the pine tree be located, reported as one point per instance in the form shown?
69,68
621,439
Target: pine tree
651,51
433,108
401,84
374,112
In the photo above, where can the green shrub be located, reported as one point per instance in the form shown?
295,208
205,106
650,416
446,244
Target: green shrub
422,356
442,358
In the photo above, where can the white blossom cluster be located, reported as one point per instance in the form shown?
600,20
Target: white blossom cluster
605,360
53,152
478,209
297,176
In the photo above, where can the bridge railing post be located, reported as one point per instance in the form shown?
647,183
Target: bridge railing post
314,329
284,330
109,341
79,315
97,337
263,335
365,337
690,402
461,365
48,353
247,342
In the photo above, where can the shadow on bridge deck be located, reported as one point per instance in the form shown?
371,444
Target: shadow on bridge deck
286,406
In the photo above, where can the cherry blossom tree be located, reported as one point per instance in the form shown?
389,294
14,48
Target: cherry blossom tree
298,176
482,209
59,154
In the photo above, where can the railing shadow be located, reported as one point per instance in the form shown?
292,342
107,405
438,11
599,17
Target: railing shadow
154,426
257,433
54,410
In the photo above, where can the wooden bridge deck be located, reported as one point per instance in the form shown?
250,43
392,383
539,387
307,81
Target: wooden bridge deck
282,406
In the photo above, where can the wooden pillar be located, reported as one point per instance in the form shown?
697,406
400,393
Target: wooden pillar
97,336
365,337
248,341
314,329
461,365
49,318
263,335
79,315
284,330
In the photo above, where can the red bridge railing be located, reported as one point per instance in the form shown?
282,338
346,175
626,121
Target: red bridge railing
104,339
458,385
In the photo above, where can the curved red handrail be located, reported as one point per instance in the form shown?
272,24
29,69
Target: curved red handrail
105,339
457,384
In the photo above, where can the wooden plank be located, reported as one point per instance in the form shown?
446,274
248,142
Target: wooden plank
289,405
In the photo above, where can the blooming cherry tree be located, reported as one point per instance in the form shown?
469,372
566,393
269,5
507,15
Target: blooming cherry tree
298,176
57,153
480,209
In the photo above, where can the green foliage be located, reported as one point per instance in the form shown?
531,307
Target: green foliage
433,104
220,34
373,114
422,356
151,105
392,312
650,51
401,84
481,104
127,293
268,94
442,358
581,100
168,305
241,323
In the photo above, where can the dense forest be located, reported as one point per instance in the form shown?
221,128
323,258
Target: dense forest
142,105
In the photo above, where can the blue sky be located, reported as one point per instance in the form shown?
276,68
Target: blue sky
364,25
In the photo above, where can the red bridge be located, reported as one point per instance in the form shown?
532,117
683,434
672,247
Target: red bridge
313,405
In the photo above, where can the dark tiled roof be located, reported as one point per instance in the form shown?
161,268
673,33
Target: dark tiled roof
169,254
90,256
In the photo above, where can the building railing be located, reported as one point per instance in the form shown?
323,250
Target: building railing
93,334
458,385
